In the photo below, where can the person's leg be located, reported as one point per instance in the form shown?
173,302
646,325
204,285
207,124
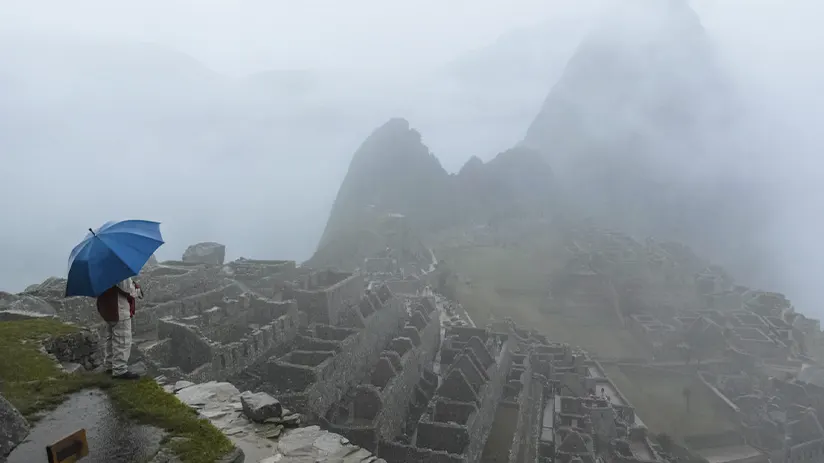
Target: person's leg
107,346
122,346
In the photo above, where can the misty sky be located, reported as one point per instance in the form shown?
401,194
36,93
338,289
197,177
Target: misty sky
215,158
244,36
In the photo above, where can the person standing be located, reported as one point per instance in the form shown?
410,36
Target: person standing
116,307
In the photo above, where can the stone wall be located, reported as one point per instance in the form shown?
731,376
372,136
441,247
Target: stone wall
754,341
408,286
312,381
184,347
807,452
266,277
398,391
146,318
169,283
324,303
380,265
253,269
378,410
457,422
530,409
82,348
261,327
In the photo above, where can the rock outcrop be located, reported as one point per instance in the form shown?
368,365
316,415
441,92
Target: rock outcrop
209,253
26,303
50,288
13,428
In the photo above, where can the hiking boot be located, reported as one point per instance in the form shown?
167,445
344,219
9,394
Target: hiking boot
127,375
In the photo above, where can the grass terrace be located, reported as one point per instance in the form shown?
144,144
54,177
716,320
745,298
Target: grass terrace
496,282
34,383
658,398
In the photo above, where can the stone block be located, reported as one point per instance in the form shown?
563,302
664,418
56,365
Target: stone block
260,406
182,385
205,253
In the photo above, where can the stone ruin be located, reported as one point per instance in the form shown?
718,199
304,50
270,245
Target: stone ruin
396,373
678,305
222,340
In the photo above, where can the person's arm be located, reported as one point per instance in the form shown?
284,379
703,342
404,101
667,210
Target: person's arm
126,287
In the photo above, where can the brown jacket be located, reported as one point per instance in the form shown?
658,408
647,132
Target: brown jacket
108,303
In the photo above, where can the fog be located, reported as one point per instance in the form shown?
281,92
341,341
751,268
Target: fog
234,121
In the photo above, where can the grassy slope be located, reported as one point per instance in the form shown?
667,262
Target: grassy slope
512,283
32,382
658,398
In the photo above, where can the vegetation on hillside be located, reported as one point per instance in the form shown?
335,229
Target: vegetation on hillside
658,397
497,282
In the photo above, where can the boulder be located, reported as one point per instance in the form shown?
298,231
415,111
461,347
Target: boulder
260,406
26,303
314,445
13,428
50,288
205,253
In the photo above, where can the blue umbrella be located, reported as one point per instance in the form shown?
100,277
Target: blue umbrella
110,254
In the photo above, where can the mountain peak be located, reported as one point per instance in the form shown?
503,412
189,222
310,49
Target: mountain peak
640,118
391,172
644,83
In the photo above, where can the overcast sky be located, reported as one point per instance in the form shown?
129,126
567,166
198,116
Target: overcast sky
242,36
772,50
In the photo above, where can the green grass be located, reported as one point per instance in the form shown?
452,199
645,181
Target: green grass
658,399
512,282
146,402
32,382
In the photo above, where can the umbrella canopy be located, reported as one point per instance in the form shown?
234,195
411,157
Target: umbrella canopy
110,254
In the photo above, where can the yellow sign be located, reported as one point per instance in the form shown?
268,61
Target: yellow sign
69,449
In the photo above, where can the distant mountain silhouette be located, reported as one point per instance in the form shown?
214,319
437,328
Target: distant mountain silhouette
394,174
643,132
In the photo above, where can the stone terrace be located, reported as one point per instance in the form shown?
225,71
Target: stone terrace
456,423
221,341
378,410
265,277
330,360
324,295
385,369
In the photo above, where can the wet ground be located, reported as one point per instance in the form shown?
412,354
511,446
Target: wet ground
729,454
548,423
500,436
111,437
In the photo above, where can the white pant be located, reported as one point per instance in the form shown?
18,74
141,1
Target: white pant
118,346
